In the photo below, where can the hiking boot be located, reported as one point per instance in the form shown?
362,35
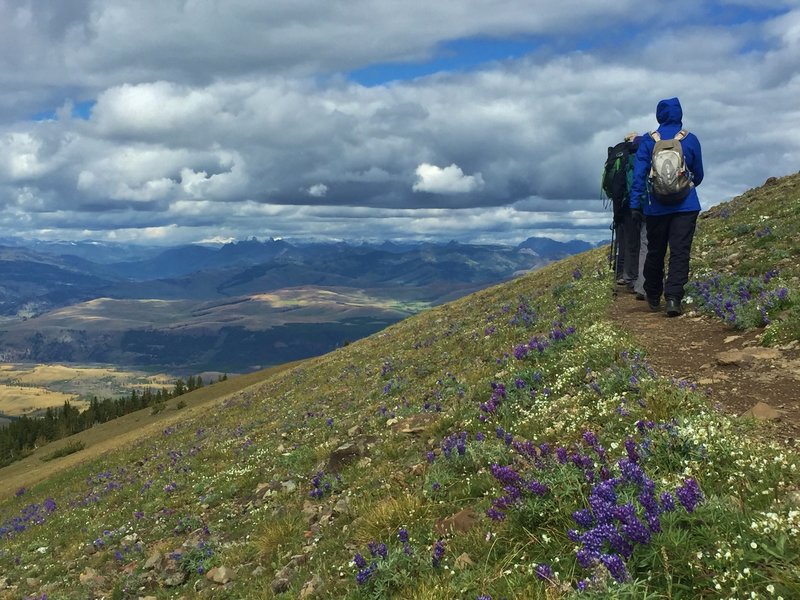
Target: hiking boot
640,296
654,304
673,307
621,281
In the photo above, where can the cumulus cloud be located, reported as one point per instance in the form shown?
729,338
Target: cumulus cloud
318,190
234,135
449,180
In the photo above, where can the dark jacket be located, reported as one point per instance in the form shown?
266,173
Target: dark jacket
669,115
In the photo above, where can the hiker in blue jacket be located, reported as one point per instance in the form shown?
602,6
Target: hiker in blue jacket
668,224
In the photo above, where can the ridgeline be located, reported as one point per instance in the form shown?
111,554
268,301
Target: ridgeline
516,443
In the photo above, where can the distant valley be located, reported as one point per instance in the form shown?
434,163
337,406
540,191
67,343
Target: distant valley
236,307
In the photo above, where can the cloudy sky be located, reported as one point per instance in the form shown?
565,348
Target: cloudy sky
171,121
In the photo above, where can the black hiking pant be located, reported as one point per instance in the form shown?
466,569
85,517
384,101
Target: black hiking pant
674,231
627,234
629,248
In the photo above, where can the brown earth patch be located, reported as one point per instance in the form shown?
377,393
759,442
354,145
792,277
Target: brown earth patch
729,365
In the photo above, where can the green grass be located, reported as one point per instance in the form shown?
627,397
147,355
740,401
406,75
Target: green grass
245,483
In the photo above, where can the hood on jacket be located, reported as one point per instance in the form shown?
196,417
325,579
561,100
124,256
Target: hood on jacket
669,112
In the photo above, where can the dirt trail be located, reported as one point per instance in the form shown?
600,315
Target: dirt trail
729,365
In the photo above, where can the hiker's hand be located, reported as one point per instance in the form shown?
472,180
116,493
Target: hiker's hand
637,217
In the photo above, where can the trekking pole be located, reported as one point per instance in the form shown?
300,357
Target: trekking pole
613,258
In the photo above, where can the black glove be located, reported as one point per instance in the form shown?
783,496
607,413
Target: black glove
637,217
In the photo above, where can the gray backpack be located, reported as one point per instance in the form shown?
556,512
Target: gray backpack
670,180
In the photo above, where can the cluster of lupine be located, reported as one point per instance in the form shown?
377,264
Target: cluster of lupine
457,441
32,514
534,344
438,553
558,333
322,484
198,559
613,529
739,301
638,366
380,555
525,316
111,539
610,527
498,395
515,488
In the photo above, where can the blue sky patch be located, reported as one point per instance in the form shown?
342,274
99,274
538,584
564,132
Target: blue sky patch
456,55
81,110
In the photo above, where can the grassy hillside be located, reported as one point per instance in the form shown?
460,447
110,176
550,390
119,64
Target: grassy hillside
511,444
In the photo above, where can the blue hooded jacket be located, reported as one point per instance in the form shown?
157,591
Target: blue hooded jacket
669,115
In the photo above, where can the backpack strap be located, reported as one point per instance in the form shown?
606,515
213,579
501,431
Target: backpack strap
678,136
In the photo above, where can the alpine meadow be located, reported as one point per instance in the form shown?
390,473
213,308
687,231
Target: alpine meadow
516,443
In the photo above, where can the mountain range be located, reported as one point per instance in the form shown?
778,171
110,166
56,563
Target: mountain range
237,306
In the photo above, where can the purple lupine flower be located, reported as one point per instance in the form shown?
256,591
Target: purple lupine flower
635,530
537,488
495,515
632,472
689,494
402,535
587,557
430,456
545,449
359,560
364,574
438,553
630,448
583,517
654,523
615,566
667,502
544,571
378,549
506,475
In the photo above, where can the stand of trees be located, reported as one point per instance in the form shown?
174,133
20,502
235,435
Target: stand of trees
24,434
